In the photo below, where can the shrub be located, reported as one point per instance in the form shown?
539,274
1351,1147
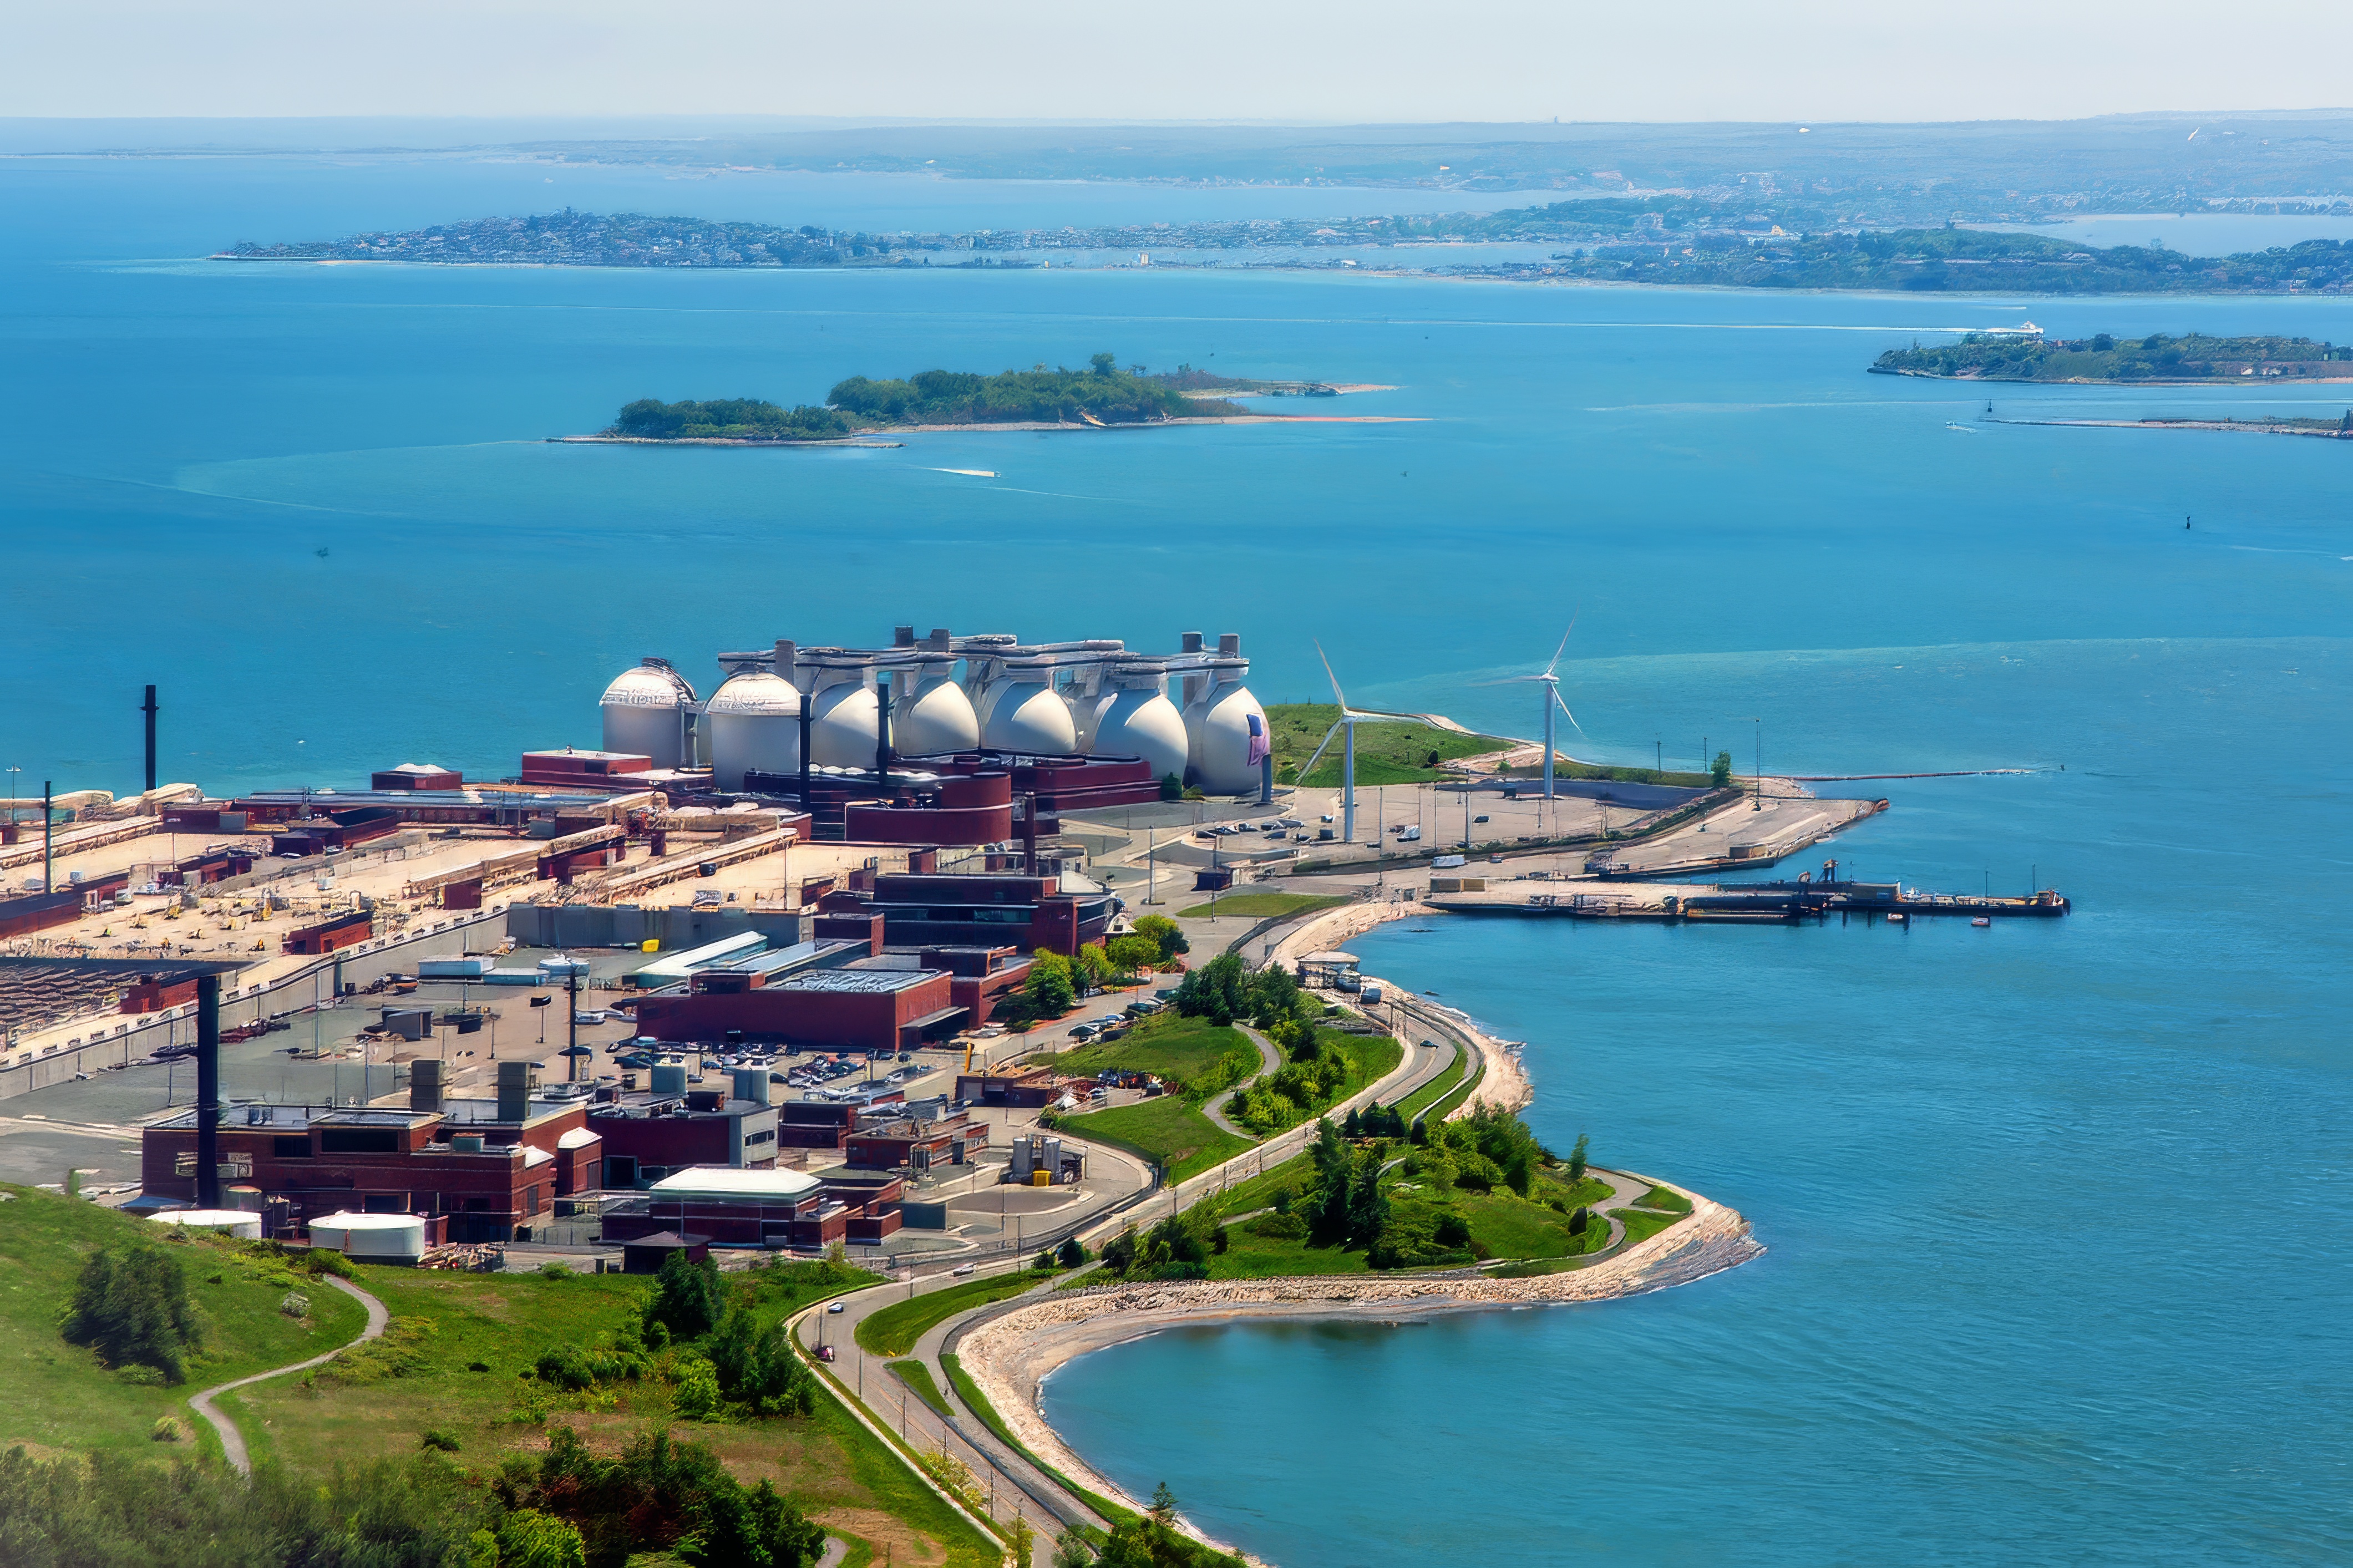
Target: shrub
1580,1221
139,1376
133,1308
1453,1230
687,1298
438,1437
530,1539
555,1271
1073,1253
327,1260
697,1398
1278,1227
294,1304
167,1429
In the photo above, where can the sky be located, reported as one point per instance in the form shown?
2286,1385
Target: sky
1300,60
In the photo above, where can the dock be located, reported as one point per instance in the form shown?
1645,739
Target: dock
1763,903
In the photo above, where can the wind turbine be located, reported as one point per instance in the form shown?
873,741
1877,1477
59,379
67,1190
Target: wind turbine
1346,728
1550,681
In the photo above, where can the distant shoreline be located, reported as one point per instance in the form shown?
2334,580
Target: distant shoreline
2136,381
2242,426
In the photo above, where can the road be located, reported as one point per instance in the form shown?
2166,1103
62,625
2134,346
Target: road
232,1441
1270,1060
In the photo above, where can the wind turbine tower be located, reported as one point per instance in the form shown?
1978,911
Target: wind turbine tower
1550,680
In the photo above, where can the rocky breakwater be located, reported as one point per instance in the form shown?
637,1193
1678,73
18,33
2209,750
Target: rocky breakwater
1009,1356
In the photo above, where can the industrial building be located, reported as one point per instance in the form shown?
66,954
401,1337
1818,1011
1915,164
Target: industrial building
807,723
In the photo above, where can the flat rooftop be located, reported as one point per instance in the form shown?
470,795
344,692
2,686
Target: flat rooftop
863,982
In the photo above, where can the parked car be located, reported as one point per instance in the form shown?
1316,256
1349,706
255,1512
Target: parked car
1478,819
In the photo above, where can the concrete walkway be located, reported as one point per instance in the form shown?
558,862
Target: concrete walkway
232,1442
1270,1060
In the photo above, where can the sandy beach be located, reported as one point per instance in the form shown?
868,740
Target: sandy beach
1010,1356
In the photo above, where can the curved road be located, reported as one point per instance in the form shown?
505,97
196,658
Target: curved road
232,1443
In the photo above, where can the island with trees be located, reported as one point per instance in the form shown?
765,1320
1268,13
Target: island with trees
2104,358
1103,395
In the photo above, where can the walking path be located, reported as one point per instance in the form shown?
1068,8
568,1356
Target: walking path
232,1443
1270,1060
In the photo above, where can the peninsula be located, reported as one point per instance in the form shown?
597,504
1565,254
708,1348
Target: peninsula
1658,237
2103,359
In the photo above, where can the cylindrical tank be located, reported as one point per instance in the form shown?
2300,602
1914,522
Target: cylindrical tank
227,1222
1030,715
755,719
1227,736
372,1237
842,731
650,712
938,719
1135,719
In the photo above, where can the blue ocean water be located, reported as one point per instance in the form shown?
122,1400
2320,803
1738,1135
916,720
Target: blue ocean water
2060,1260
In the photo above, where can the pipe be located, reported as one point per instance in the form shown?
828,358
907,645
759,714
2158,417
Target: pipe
208,1091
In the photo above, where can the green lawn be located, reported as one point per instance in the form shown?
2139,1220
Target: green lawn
1666,1198
1451,1100
1640,1226
894,1330
918,1378
977,1402
55,1394
1191,1051
1261,906
1167,1130
1428,1094
858,1477
1388,750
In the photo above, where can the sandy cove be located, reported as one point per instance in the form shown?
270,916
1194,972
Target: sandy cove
1012,1355
1505,1083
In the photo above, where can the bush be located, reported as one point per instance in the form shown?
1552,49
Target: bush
555,1271
697,1398
438,1437
1453,1230
688,1298
1579,1221
530,1539
327,1260
1278,1227
139,1376
167,1429
1073,1253
294,1304
133,1309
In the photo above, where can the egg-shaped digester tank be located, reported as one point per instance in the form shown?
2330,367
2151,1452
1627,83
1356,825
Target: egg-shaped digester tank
648,711
938,717
1028,715
755,723
843,722
1227,736
1135,719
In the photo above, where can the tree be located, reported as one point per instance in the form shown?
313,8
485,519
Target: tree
1051,989
688,1296
1519,1170
1166,932
1217,990
1369,1203
1579,1221
1163,1506
1719,772
1073,1252
1171,787
1354,1127
1104,363
1071,1550
133,1309
1576,1160
1133,953
1119,1252
1420,1132
1044,1262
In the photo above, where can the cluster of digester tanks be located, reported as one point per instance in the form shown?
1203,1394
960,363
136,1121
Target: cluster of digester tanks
1094,698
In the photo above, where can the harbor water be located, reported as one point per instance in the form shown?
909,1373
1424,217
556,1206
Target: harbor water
2060,1265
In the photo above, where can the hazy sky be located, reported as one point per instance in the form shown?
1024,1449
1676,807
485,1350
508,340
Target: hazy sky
1104,60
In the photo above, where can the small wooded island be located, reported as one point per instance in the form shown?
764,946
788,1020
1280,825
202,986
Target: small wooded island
1102,396
2194,357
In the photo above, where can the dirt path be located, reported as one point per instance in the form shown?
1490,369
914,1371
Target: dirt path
232,1442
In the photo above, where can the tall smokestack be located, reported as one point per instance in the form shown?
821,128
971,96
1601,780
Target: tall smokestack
208,1091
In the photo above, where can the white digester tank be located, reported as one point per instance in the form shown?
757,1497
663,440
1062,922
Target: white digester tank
938,717
754,723
244,1223
1027,715
844,717
1135,719
1226,731
648,711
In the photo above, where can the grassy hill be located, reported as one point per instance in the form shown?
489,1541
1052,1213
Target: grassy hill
56,1396
1388,750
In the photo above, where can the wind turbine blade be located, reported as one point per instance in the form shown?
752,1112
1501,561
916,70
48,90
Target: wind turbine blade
1317,756
1563,647
1337,696
1507,681
1572,717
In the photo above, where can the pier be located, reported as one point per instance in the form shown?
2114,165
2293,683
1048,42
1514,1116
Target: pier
1791,902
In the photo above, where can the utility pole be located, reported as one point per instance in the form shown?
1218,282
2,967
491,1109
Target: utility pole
149,709
47,871
572,1019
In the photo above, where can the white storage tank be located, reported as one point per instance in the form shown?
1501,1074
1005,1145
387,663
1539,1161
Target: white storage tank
1226,733
239,1223
1135,719
844,718
650,711
1028,715
372,1237
938,719
755,723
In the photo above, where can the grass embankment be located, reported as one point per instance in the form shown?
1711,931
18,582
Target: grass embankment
1170,1132
893,1331
977,1402
1261,906
55,1394
1388,750
1562,768
1420,1101
1642,1225
1201,1055
918,1378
